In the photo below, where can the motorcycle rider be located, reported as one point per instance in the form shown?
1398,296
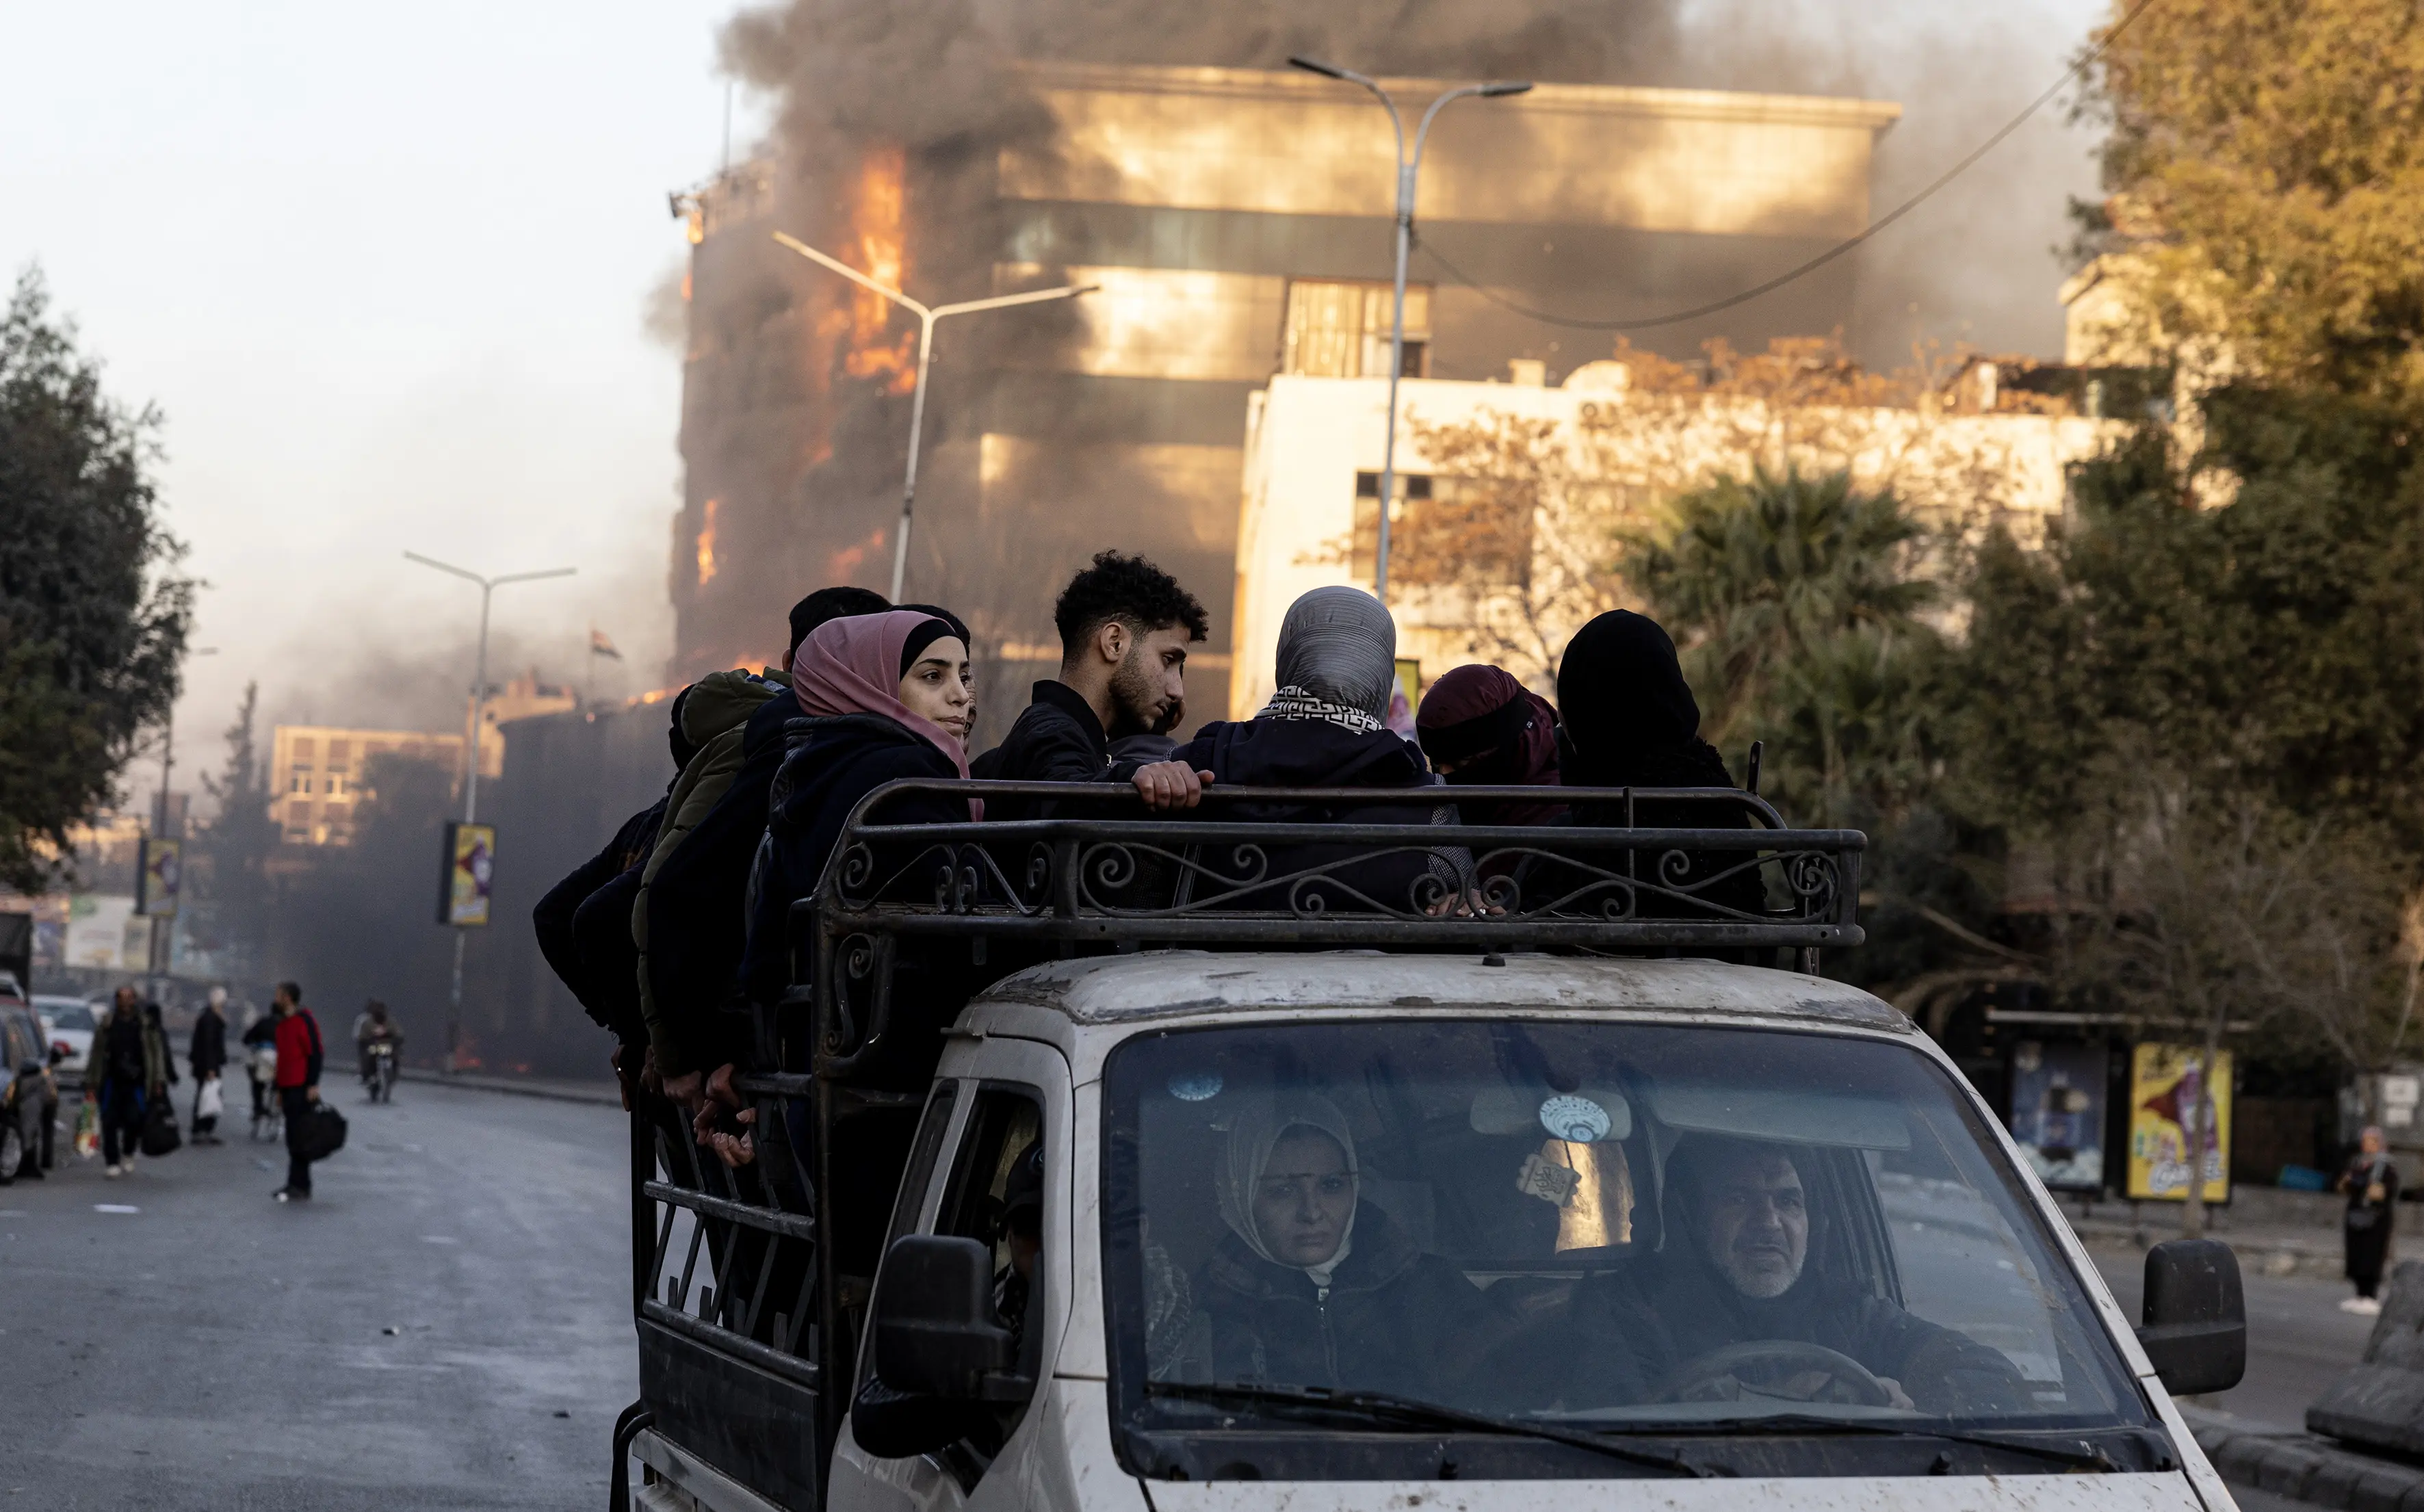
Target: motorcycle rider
372,1028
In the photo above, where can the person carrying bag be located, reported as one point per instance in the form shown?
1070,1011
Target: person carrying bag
300,1054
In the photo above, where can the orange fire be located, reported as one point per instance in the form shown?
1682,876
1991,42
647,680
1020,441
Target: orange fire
707,545
876,236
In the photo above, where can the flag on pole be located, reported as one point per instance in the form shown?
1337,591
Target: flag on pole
600,645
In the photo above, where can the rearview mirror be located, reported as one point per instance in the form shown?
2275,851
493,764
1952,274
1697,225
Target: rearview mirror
2195,1329
936,1334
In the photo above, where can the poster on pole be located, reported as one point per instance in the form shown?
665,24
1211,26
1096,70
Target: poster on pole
2162,1090
2058,1112
471,868
157,877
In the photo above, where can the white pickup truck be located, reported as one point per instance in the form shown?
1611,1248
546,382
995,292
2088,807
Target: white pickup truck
1467,1199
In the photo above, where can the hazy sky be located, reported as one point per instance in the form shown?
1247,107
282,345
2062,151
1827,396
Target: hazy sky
383,269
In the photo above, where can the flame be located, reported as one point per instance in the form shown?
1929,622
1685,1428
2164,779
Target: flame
883,255
707,545
839,567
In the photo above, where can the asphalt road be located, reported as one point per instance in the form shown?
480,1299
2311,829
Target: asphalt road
446,1325
2297,1339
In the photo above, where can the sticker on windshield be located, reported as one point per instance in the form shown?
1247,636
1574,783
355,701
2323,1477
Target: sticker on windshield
1575,1120
1195,1086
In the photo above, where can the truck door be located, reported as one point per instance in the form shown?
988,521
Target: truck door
1001,1177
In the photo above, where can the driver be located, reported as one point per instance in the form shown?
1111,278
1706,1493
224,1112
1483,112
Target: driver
372,1027
1740,1227
1312,1286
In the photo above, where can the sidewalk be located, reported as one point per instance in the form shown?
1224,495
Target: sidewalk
562,1090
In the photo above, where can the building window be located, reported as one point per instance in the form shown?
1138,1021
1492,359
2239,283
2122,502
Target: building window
335,785
301,781
298,816
1339,329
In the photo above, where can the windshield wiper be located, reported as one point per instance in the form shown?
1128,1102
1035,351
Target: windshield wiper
1382,1407
2088,1456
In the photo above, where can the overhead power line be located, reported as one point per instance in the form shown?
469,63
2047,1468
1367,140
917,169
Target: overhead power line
1647,323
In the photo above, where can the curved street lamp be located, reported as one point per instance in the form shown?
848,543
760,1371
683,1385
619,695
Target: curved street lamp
926,318
1408,167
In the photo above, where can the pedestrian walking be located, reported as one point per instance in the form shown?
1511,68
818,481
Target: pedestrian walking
2371,1181
259,1041
129,1067
207,1056
300,1052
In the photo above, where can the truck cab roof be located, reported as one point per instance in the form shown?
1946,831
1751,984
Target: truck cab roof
1068,1000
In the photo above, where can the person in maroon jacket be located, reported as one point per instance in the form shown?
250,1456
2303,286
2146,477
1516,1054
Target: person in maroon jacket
300,1050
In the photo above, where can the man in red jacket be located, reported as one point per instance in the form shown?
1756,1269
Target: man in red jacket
299,1053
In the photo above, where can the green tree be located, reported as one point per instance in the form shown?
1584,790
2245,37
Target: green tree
93,618
2266,159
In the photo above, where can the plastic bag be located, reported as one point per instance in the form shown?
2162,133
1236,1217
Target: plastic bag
212,1102
88,1131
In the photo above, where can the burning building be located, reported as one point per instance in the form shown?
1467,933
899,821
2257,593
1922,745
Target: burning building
1236,224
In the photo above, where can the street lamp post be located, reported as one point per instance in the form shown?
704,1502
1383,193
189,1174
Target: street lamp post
471,768
164,931
926,318
1408,167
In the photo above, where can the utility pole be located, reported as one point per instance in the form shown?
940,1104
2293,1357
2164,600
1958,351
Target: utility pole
1408,169
162,940
926,318
471,768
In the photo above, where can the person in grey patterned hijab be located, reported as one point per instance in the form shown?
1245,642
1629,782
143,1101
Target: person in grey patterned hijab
1337,659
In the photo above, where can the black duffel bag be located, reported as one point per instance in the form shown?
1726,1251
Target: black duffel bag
323,1134
159,1135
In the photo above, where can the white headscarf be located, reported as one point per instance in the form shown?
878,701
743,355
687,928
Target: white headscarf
1256,1131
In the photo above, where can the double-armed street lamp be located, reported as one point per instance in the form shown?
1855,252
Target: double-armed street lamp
1408,168
471,769
926,318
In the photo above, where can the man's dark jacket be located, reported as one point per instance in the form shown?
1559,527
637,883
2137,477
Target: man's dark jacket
1056,738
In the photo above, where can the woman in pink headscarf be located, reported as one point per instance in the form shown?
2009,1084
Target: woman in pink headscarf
884,696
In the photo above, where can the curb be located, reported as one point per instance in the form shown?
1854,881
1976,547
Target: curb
605,1093
2314,1471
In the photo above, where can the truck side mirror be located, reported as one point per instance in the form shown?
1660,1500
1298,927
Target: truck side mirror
2195,1329
936,1334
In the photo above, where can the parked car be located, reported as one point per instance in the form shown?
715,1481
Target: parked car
66,1026
28,1097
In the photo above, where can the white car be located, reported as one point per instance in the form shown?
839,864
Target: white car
66,1026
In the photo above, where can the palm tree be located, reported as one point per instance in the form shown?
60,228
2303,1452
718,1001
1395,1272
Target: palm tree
1796,603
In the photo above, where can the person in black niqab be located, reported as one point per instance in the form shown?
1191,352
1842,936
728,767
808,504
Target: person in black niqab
1628,717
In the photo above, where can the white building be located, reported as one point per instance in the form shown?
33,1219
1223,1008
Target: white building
1576,464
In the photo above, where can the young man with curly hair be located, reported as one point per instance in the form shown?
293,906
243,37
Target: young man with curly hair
1126,627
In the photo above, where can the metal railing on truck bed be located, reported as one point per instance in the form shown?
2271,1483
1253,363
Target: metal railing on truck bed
748,1337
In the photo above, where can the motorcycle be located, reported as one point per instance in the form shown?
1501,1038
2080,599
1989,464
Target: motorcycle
379,1070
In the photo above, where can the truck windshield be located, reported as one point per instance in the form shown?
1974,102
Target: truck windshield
1620,1228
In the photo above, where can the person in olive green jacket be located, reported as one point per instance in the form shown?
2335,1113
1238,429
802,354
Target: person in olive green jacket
715,713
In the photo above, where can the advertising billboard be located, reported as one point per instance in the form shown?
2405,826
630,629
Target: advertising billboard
2162,1088
2058,1111
470,871
158,876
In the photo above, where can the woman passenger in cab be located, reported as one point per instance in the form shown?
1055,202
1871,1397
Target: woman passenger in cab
1311,1286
